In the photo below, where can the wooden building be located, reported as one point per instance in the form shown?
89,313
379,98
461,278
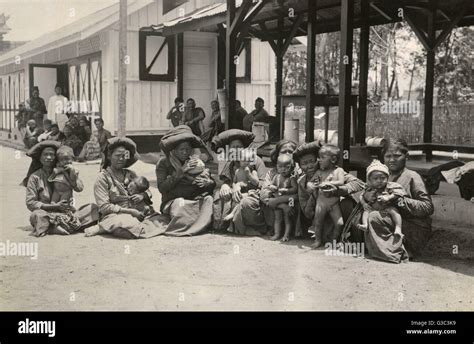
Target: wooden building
83,56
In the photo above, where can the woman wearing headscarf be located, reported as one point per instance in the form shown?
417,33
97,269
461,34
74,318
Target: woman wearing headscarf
44,213
118,217
186,200
248,217
415,208
306,155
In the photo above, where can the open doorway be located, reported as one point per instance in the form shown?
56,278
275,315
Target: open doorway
46,76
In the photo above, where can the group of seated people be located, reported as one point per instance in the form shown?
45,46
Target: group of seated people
76,134
304,194
191,115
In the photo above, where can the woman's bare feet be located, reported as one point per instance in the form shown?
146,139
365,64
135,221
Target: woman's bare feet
317,243
285,238
91,231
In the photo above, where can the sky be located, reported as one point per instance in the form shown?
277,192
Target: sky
30,19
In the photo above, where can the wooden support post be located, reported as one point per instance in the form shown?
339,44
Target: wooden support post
279,81
345,75
180,52
221,58
310,70
230,67
122,78
364,71
429,83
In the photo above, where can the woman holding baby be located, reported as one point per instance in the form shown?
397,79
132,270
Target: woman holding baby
383,238
237,207
49,192
123,198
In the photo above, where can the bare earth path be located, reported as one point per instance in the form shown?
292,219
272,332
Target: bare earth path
209,272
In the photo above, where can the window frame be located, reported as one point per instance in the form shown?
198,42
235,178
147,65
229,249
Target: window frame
147,76
247,78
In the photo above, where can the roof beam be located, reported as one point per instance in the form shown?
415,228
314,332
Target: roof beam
446,31
418,32
292,34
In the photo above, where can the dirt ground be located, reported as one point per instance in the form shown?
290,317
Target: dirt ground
214,271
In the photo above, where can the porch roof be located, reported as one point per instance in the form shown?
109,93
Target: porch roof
328,16
77,30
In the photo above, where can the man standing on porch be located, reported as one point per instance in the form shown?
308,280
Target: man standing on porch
57,108
257,115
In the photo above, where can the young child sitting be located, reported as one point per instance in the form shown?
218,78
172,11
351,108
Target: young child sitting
65,179
328,173
245,176
377,181
283,183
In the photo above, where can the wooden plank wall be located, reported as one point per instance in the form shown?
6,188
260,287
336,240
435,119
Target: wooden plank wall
262,81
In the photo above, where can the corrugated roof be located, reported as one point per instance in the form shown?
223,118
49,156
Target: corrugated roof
77,30
206,12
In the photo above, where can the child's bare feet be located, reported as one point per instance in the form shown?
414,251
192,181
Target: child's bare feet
362,228
274,237
285,238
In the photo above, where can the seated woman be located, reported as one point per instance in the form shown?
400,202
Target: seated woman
71,140
32,133
45,214
415,209
118,216
248,217
186,189
307,157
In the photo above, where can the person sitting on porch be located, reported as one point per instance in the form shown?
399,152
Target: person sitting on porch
84,130
193,117
257,115
215,124
237,120
57,107
36,107
55,134
415,208
31,134
248,217
71,140
176,114
91,149
47,130
102,134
